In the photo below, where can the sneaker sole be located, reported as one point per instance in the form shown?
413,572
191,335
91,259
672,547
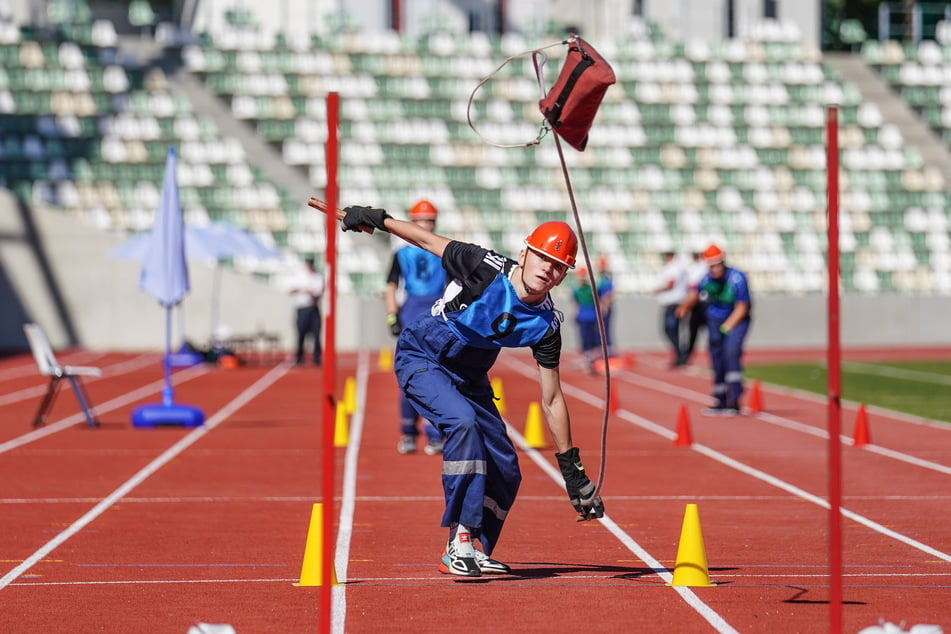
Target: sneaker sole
446,568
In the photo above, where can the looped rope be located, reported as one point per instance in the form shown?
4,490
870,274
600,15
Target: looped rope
539,59
539,75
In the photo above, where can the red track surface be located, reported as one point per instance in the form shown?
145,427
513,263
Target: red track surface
120,529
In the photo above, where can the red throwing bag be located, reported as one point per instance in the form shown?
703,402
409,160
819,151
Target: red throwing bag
574,99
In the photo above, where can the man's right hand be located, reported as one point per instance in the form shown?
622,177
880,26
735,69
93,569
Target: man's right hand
393,321
358,218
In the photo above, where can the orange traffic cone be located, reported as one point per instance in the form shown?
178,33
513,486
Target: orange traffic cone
861,437
684,437
612,401
630,360
756,398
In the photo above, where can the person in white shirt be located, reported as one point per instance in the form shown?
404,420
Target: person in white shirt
671,291
306,289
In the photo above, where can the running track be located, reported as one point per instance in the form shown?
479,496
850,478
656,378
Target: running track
121,529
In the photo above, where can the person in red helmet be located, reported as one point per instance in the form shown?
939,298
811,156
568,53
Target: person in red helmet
728,305
415,281
442,364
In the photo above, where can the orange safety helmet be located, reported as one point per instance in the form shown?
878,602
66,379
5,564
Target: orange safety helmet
423,210
556,240
713,254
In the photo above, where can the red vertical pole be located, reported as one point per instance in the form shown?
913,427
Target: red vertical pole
330,371
396,15
834,360
501,12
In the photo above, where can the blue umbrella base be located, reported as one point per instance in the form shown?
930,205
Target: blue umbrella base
174,414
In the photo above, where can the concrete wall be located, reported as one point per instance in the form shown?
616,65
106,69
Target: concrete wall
57,271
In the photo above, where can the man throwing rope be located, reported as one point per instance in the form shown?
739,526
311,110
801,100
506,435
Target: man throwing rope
442,363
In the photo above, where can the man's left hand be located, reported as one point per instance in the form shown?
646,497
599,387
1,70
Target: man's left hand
579,487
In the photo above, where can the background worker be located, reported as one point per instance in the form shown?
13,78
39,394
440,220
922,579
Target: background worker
416,280
670,293
442,364
606,297
586,317
696,319
727,295
306,289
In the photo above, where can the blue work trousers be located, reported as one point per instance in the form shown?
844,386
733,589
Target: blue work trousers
448,384
414,307
726,356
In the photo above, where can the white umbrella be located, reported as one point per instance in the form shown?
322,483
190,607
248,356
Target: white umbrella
214,242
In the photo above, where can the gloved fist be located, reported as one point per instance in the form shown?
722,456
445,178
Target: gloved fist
578,486
393,321
358,217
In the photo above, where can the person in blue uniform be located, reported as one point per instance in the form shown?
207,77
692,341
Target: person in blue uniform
417,277
586,317
726,294
442,363
606,297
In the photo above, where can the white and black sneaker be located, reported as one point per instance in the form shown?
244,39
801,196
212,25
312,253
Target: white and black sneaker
460,557
407,444
490,566
433,447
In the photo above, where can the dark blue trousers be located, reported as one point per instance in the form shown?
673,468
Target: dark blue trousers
414,307
726,356
448,384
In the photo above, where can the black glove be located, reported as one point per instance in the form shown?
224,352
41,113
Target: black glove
359,217
393,321
578,485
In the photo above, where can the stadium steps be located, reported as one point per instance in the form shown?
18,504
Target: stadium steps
894,109
258,152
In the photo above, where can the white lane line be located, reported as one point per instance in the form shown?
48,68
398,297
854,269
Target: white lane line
898,373
650,426
120,401
162,500
348,496
779,421
140,582
705,611
191,438
814,398
121,367
755,473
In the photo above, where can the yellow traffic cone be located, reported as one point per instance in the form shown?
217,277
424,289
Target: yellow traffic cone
350,395
499,395
690,568
341,427
534,435
386,359
310,572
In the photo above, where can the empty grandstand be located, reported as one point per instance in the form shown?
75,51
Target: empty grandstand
712,133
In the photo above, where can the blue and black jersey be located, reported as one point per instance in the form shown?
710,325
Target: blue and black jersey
419,271
481,307
721,295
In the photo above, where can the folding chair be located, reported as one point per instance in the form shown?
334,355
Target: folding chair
49,366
